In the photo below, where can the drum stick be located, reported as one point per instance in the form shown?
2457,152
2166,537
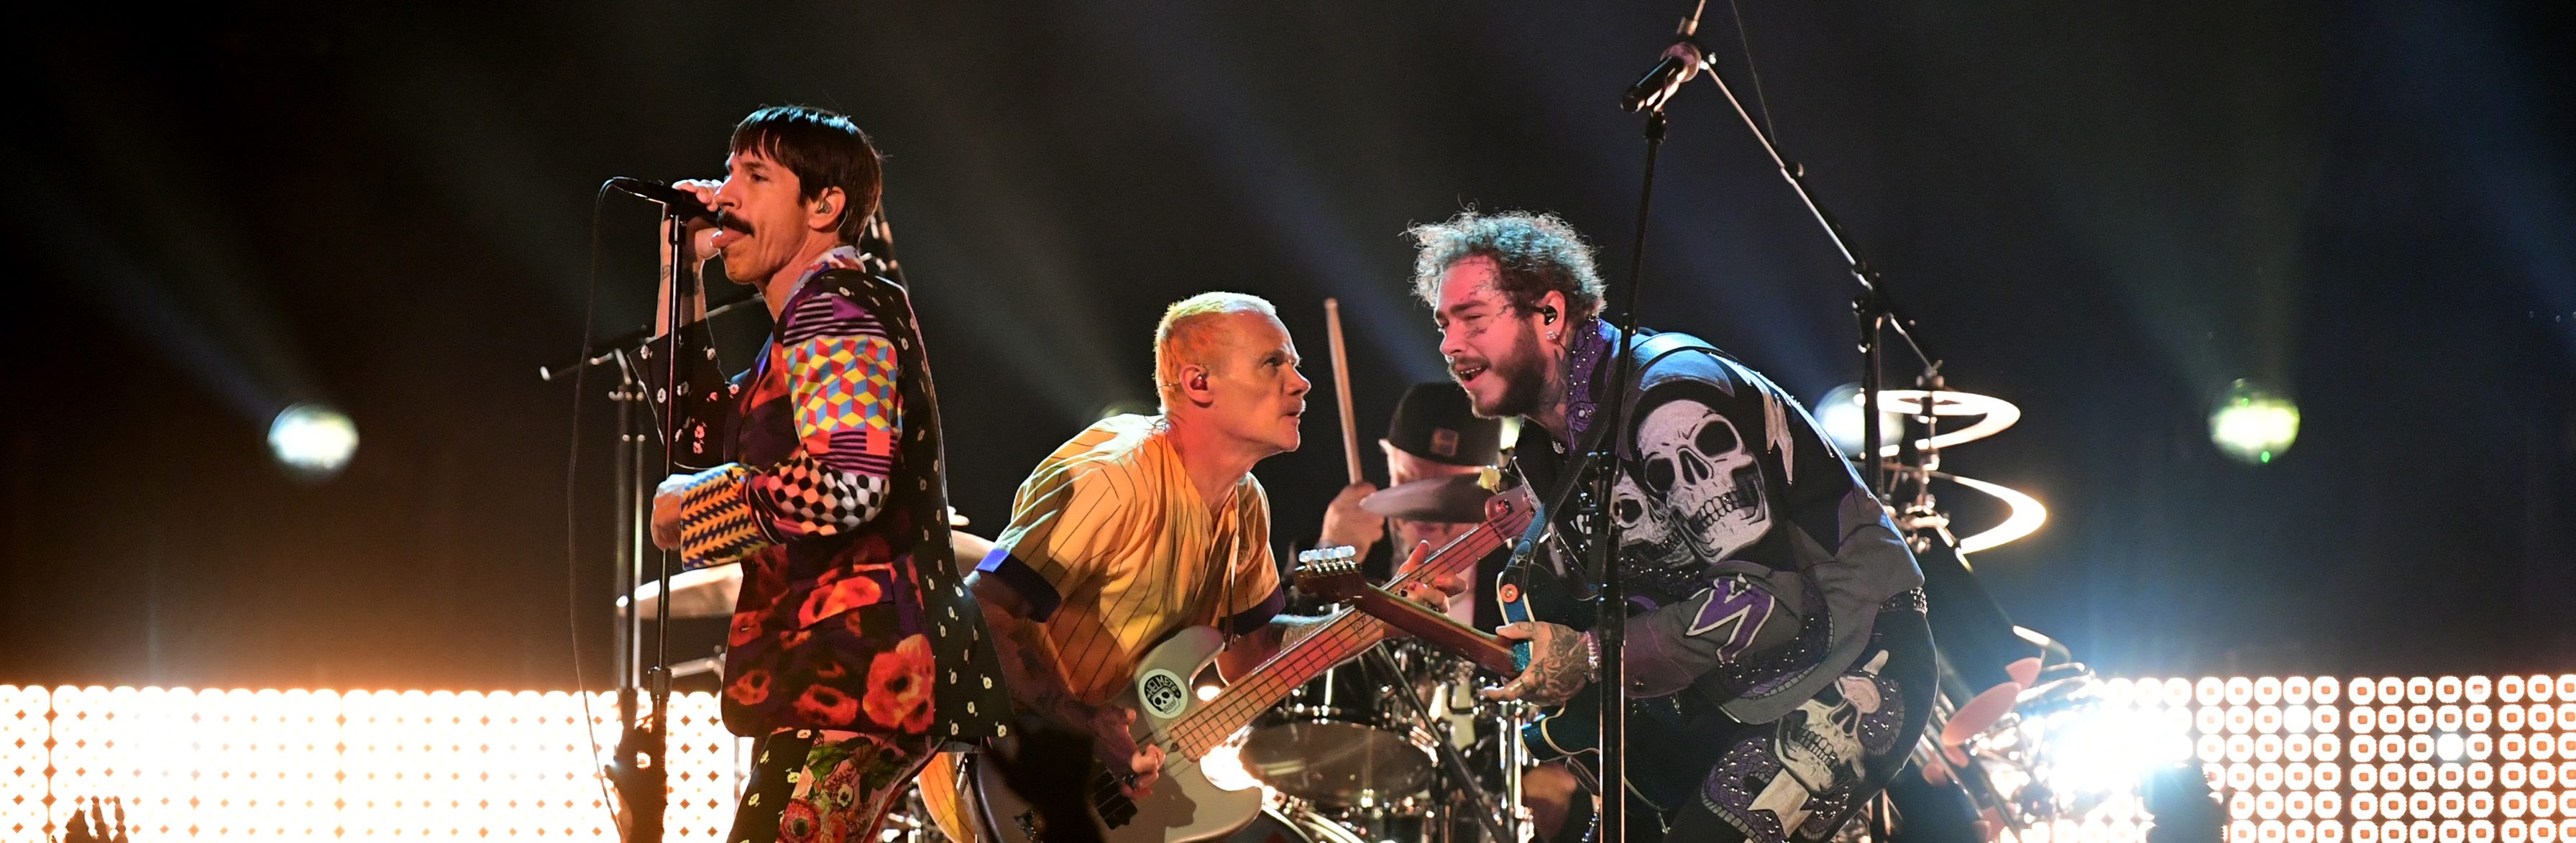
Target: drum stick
1342,386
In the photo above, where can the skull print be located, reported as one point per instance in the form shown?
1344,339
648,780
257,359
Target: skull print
1706,476
1819,741
1645,525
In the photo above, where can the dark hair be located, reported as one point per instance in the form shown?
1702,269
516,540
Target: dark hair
1536,253
824,150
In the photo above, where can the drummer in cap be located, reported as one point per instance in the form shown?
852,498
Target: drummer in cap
1436,451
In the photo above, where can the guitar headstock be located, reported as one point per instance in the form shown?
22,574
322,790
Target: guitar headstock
1332,573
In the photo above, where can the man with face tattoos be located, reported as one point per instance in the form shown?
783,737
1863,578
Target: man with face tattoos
1777,665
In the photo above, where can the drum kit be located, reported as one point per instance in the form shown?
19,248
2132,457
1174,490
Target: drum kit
1350,752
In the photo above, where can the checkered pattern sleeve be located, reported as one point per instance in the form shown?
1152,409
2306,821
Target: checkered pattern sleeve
841,375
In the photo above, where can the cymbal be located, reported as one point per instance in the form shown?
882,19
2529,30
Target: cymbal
702,593
711,592
1455,499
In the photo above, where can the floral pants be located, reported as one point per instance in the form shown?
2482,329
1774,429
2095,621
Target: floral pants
821,786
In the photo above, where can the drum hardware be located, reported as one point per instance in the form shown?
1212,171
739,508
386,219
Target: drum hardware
702,593
706,664
1448,753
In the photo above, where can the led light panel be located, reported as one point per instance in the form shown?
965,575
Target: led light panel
297,765
2422,759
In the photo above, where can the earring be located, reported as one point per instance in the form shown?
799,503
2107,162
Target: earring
1551,336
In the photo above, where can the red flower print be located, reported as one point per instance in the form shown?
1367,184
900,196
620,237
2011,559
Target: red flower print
829,670
749,688
824,705
839,597
797,824
899,686
746,627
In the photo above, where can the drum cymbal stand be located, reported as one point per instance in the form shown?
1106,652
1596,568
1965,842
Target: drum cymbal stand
1510,716
1454,764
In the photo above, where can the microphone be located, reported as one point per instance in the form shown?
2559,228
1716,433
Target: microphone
1680,64
681,203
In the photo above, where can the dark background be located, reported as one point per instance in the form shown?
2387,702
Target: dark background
2103,212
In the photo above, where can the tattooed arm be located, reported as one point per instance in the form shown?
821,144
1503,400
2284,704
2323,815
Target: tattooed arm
1562,662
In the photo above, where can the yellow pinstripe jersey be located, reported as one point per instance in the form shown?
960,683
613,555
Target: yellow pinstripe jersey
1114,549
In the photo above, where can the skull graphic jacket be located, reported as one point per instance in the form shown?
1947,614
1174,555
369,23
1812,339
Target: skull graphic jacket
1754,556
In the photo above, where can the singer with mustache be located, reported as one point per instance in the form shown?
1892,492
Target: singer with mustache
855,651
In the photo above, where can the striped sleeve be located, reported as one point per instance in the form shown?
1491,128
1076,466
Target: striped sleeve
841,372
1065,523
1259,595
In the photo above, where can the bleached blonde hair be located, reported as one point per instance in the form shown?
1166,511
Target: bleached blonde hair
1188,334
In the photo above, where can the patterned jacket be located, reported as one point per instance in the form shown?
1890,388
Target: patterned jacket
827,486
1754,557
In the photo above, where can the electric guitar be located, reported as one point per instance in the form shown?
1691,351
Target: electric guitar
1182,706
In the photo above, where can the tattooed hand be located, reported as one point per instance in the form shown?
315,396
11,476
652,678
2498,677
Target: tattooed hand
1561,663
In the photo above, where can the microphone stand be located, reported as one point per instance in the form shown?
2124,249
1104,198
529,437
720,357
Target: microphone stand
648,825
1874,312
640,771
1610,624
606,351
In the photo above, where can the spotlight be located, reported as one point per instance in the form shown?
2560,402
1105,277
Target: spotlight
312,440
1841,416
2252,424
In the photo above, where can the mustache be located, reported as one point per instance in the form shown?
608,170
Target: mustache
725,220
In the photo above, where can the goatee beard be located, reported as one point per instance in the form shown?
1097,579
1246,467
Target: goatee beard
1525,386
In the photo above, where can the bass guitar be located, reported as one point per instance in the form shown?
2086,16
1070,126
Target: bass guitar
1197,717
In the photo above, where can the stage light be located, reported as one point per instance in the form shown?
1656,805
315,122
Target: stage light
1842,417
312,440
2252,424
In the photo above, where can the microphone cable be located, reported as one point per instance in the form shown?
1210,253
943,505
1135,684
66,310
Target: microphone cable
572,521
1759,100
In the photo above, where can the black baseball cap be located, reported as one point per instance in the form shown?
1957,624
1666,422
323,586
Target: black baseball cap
1435,422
